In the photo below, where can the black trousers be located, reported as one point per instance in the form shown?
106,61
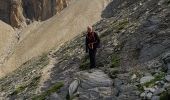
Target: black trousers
92,55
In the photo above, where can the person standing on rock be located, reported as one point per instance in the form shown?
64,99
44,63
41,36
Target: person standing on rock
92,43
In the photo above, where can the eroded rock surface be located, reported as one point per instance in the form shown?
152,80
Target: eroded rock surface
19,12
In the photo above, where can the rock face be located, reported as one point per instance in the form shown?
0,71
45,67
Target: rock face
16,15
18,12
4,10
133,43
95,86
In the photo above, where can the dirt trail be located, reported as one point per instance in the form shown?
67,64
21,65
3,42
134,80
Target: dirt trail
55,31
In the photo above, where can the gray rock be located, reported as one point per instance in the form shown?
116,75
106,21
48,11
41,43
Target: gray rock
147,74
166,85
166,60
159,91
73,87
155,98
94,85
133,76
95,79
150,89
115,91
146,79
117,82
167,78
142,95
55,96
149,95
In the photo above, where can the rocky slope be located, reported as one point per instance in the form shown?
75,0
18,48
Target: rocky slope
133,62
40,37
18,13
7,41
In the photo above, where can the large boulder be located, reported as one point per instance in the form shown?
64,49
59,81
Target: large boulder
94,85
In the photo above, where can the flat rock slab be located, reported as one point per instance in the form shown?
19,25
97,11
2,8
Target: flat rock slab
167,78
94,78
146,79
94,85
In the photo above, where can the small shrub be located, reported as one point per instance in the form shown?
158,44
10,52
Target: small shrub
115,61
140,87
152,82
157,78
85,63
19,89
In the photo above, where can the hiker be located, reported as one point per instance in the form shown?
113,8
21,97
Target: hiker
92,43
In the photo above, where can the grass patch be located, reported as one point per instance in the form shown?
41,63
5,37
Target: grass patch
85,63
157,78
115,61
31,84
152,83
51,90
43,61
19,89
120,24
115,27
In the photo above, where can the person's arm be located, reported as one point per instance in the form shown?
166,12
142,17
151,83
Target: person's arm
86,44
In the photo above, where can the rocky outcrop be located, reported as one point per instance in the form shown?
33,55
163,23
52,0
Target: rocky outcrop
95,85
18,12
135,50
43,9
4,10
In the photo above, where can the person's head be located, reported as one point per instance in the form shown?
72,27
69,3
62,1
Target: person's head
89,29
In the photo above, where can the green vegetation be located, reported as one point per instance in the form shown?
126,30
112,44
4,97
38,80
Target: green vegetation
115,62
157,78
121,24
115,27
30,84
34,82
152,82
85,63
19,89
43,61
51,90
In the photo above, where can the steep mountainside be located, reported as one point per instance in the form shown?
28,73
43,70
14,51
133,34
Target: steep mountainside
44,36
133,62
7,38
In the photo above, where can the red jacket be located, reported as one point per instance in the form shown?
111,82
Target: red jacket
92,41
